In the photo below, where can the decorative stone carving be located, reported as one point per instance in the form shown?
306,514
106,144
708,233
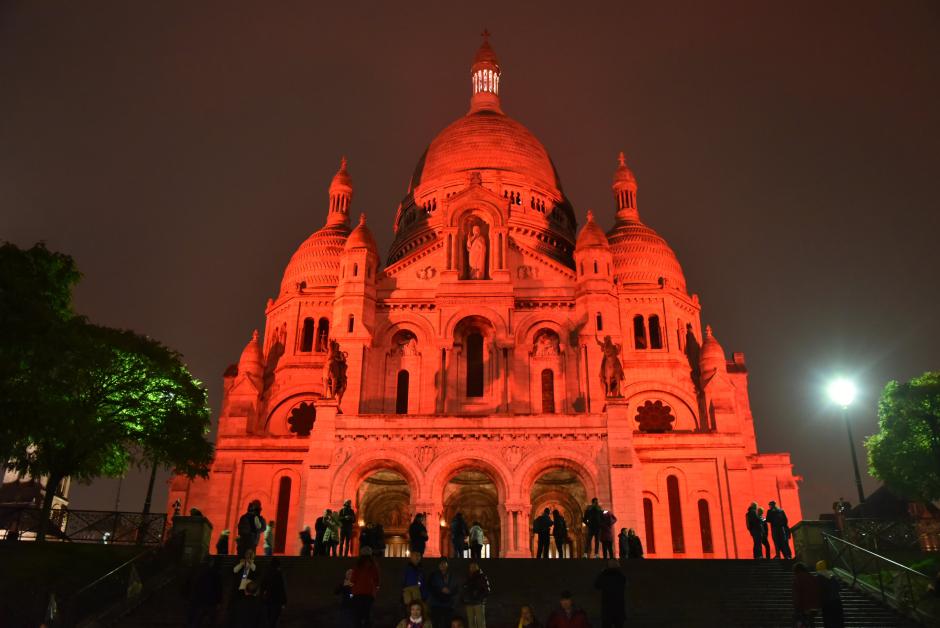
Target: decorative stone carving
476,253
334,373
527,272
302,418
513,454
424,455
341,456
655,416
426,273
546,344
611,368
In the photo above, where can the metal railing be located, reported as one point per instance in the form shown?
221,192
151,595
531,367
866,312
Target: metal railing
122,586
85,526
894,584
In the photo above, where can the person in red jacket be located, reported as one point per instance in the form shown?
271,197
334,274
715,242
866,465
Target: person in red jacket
567,615
365,586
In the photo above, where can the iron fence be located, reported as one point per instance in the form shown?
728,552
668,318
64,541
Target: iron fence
85,526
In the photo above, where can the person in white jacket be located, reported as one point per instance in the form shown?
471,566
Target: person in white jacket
476,540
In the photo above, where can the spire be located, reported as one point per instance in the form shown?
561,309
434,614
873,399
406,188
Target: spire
340,196
484,78
624,189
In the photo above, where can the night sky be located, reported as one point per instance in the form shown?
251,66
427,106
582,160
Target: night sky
789,153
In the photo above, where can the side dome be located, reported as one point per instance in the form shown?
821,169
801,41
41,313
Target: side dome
641,256
591,235
250,361
361,237
712,357
485,140
315,263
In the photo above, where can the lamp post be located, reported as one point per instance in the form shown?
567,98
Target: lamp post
842,392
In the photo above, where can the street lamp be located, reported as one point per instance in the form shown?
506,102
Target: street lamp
842,392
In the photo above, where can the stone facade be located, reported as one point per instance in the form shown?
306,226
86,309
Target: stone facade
495,364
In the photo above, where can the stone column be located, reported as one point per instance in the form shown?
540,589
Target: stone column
516,526
625,477
316,476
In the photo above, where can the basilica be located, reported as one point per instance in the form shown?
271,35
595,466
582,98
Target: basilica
499,360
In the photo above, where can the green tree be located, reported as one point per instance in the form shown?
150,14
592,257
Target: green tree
91,400
905,453
35,298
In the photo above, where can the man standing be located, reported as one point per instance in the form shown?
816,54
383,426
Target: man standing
612,584
475,591
443,592
269,539
592,519
607,533
250,526
779,530
567,615
319,527
347,517
755,527
542,526
476,541
560,532
458,532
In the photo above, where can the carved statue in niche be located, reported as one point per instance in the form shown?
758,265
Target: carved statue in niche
546,344
334,373
477,247
611,368
654,416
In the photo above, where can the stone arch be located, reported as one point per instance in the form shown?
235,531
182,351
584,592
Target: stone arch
534,466
683,408
494,320
446,466
417,325
470,206
528,327
354,471
276,421
635,388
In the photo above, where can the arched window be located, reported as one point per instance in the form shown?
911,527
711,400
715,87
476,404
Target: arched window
474,364
323,335
656,337
306,335
582,268
548,391
639,332
401,393
355,270
705,525
675,515
648,523
351,324
595,267
599,321
283,510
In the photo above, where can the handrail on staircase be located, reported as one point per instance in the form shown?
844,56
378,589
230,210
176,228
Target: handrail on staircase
906,592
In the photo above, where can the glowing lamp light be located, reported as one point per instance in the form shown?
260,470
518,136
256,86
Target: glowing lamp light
362,523
842,392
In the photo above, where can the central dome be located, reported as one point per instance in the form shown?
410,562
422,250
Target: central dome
485,140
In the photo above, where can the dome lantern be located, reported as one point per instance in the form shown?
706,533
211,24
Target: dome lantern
484,78
624,188
340,196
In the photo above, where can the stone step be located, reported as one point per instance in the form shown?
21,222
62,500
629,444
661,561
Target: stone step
661,593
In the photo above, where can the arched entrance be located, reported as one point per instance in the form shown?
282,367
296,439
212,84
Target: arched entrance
384,498
474,494
563,490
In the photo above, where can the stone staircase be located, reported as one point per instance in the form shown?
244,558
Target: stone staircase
661,593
